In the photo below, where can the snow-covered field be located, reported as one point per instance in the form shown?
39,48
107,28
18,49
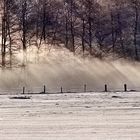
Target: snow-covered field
73,116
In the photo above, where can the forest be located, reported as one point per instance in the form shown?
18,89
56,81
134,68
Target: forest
97,28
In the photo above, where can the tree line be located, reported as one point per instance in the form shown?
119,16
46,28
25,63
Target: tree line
90,27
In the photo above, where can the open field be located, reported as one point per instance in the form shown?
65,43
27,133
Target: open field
73,116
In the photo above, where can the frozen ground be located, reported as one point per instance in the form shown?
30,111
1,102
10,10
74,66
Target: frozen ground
84,116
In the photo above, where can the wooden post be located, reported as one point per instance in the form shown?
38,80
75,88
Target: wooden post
44,89
61,90
23,90
85,88
106,88
125,87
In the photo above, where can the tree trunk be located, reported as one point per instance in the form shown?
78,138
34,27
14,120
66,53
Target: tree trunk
136,28
121,34
83,36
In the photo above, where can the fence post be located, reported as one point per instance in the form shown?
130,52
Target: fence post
125,87
106,88
44,89
23,90
85,88
61,90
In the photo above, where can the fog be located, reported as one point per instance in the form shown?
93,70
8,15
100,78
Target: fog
58,67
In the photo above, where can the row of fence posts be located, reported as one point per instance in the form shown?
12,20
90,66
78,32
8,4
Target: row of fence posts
125,88
85,89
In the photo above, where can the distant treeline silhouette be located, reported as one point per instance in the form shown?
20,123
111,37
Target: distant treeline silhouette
90,27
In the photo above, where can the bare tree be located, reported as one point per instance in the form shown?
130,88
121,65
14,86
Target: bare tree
135,5
6,44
